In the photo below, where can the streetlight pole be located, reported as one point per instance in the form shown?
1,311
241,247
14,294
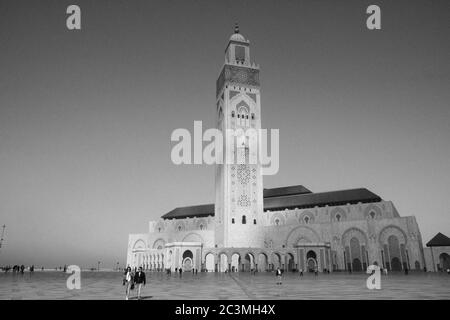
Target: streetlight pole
2,237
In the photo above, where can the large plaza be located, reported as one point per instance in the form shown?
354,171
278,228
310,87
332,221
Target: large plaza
226,286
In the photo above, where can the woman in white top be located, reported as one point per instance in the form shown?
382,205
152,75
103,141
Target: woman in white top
128,282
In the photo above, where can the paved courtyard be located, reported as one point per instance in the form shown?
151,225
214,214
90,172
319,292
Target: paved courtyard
108,285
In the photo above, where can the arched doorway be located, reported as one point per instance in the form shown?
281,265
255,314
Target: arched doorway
355,252
249,262
235,262
188,261
396,265
209,262
417,265
276,261
311,261
262,262
394,253
223,262
357,266
290,262
444,261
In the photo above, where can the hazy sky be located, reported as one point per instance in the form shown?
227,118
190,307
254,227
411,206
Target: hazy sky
86,116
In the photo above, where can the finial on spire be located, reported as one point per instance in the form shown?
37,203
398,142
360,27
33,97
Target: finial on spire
236,28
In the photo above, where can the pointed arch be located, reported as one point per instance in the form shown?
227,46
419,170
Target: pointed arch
301,232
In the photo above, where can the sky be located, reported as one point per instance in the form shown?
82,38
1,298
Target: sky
86,116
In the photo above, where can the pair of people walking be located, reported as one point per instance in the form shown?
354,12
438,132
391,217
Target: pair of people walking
132,279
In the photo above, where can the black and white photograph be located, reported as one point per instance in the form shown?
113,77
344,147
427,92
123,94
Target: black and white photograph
224,156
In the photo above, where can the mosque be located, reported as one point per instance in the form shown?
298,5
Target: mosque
252,228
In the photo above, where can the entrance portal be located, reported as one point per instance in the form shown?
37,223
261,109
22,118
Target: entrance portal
290,262
311,261
187,261
357,265
396,264
187,265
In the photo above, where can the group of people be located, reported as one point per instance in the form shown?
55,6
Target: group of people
133,278
16,268
22,268
180,271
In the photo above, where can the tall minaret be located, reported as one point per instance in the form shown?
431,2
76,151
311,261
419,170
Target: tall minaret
239,187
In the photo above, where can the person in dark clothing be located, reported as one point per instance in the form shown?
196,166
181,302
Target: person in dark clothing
180,271
139,279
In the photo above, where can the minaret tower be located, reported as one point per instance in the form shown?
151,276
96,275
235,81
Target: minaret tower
239,186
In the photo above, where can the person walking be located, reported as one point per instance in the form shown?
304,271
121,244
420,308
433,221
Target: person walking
301,272
128,282
279,274
139,279
316,271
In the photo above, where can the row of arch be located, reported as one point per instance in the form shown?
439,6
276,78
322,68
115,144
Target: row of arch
350,251
305,234
338,214
149,261
180,225
249,261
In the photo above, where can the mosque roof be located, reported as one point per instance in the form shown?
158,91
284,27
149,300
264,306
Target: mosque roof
439,240
287,198
321,199
191,211
285,191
